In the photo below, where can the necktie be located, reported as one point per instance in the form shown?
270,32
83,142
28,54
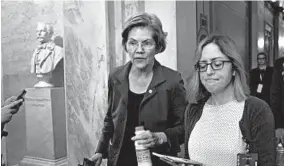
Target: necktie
262,74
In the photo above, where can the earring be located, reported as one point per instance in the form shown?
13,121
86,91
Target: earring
234,73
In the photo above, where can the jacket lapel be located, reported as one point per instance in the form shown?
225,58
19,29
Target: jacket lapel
158,79
122,82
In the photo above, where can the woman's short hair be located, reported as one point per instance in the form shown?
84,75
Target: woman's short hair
146,20
197,91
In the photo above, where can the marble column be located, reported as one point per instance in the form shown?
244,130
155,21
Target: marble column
87,68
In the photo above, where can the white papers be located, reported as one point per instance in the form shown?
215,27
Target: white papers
177,159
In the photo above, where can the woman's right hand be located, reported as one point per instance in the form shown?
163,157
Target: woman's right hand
97,158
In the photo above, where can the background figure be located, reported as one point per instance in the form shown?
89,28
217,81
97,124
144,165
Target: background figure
142,92
10,107
224,118
8,110
277,97
46,56
260,78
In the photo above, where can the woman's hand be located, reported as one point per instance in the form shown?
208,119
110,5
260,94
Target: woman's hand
97,158
149,139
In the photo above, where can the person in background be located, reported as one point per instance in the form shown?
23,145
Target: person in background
224,120
142,92
8,109
260,78
277,97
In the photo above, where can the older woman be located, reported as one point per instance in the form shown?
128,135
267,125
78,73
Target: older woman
142,92
225,120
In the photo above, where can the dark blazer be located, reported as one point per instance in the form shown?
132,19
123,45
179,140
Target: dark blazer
161,110
256,125
277,93
266,82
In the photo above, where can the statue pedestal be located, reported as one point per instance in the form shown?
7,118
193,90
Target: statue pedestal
46,127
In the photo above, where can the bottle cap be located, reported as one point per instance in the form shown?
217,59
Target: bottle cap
139,128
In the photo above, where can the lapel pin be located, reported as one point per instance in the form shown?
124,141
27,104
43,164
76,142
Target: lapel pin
150,91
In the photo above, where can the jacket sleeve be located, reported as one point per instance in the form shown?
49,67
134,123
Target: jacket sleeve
108,128
186,128
275,97
263,135
175,134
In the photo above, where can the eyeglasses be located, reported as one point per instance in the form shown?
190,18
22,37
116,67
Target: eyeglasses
145,44
215,65
261,58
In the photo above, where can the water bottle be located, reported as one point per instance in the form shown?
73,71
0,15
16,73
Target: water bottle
280,155
142,153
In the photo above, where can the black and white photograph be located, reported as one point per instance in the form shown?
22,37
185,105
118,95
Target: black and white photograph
142,83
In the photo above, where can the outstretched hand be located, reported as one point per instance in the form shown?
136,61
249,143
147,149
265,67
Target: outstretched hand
9,110
9,101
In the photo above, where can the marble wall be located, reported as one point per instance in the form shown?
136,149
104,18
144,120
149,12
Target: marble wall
87,66
18,40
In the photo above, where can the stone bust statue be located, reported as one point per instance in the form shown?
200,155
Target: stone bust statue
46,56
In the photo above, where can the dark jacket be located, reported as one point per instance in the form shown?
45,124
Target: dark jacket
161,110
256,125
265,81
277,92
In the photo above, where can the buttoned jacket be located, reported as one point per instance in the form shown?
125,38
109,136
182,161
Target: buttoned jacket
161,110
